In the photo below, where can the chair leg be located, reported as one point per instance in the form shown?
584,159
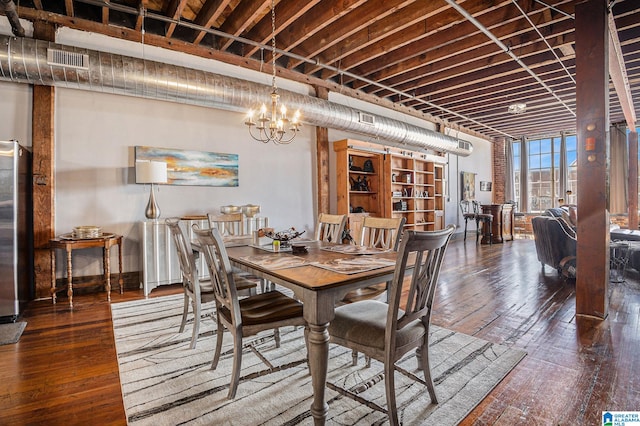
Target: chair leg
237,362
426,369
185,312
354,357
219,336
478,231
276,336
196,324
389,384
465,231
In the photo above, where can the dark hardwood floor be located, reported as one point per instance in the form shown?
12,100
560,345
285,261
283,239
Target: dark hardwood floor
64,369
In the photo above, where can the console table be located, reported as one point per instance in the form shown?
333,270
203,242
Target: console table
502,227
68,244
160,264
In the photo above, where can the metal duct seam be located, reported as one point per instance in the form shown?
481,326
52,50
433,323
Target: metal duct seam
25,61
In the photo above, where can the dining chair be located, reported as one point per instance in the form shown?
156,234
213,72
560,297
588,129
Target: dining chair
486,219
231,224
383,233
241,317
468,213
385,331
196,291
330,227
378,232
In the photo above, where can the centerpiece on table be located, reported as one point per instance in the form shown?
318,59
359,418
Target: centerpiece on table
283,237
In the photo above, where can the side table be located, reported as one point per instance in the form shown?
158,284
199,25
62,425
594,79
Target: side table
67,243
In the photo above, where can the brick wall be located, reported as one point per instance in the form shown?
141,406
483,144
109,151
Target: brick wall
499,171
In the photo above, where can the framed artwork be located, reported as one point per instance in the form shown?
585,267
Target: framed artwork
468,186
194,168
485,186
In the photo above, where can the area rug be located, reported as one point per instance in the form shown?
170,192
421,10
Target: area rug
166,383
11,332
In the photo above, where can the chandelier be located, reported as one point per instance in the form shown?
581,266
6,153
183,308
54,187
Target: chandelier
274,125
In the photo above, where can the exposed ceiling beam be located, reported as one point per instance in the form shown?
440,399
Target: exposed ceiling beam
618,74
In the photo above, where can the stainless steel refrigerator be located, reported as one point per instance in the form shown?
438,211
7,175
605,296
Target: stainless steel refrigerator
16,230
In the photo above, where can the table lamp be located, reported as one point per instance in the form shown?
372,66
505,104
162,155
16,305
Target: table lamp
151,172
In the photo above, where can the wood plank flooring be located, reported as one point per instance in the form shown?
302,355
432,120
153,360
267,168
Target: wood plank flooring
64,369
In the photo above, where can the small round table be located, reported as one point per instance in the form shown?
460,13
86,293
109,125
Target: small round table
68,243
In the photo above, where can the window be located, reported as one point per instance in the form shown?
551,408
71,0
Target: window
543,188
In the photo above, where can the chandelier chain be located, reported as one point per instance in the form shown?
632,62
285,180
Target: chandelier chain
273,124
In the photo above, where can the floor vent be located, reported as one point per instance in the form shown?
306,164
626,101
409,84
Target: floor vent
67,59
365,118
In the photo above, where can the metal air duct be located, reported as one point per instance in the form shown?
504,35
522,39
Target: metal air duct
39,62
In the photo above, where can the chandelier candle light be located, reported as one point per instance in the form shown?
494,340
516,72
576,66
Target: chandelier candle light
151,172
273,127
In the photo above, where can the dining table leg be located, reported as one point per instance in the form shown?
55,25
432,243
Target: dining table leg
318,312
318,363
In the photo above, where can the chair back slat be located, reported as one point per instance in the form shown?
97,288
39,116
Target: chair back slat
429,248
330,227
215,255
185,257
382,232
228,224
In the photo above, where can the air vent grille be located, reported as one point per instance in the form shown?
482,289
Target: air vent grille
67,59
464,145
365,118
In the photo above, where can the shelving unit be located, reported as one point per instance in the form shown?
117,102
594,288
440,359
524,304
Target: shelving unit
404,184
359,188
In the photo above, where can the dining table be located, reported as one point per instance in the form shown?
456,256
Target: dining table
320,277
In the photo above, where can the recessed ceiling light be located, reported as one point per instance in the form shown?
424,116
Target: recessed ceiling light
517,108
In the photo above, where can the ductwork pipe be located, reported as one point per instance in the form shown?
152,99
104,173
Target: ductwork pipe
39,62
9,9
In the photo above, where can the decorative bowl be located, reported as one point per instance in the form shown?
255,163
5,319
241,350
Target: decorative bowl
283,236
230,209
87,232
250,210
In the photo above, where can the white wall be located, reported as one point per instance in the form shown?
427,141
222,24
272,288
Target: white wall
95,134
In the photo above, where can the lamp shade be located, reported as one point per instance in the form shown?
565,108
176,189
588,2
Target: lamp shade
151,172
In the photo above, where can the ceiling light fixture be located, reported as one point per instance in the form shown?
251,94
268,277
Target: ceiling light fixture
273,127
517,108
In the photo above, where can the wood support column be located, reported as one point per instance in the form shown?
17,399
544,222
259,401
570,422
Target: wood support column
42,121
322,159
499,170
633,180
592,107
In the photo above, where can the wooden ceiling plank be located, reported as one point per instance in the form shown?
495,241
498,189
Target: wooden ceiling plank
244,16
287,13
466,40
346,26
207,16
473,62
142,7
413,26
173,9
68,5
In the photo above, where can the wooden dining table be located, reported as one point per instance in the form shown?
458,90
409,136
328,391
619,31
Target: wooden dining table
320,290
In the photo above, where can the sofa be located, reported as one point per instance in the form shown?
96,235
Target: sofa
556,243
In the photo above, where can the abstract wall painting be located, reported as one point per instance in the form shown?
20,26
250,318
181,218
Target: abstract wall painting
194,168
468,186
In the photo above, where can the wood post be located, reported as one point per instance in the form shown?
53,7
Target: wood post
592,97
633,180
43,173
322,159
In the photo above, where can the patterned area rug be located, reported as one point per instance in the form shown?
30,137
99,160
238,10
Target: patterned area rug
166,383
